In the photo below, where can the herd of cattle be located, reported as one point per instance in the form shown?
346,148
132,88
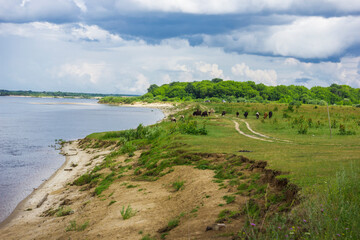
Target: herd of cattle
223,113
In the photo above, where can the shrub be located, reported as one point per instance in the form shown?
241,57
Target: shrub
303,129
190,127
342,131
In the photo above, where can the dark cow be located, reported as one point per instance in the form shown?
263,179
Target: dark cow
257,115
246,114
270,114
265,115
204,114
237,114
223,113
197,113
173,119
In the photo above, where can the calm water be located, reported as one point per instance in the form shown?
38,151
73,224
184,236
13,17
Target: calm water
28,126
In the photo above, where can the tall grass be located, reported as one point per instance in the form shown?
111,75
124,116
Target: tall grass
333,213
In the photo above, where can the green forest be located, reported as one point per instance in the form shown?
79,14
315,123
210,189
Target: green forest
217,90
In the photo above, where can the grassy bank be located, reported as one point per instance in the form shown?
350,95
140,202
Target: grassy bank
299,149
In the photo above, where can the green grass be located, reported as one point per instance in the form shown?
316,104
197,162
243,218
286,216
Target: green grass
74,227
178,185
332,213
61,211
127,212
105,183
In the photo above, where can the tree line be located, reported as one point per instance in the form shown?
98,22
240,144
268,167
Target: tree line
232,91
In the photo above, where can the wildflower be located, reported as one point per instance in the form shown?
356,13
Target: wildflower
346,228
338,235
304,220
252,224
322,210
286,236
279,227
336,219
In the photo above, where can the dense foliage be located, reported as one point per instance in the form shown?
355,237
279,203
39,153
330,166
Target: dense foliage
232,91
55,94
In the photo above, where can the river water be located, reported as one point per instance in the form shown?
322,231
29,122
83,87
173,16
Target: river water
29,127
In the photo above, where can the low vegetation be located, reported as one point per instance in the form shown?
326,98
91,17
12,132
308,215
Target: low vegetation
298,155
127,212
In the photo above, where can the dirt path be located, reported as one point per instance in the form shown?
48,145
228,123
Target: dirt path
262,135
247,135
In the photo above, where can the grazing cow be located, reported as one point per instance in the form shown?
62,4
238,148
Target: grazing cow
237,114
211,111
173,119
204,114
270,114
257,115
265,115
197,113
182,116
223,113
246,114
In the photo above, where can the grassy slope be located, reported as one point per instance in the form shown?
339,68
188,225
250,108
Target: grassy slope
309,160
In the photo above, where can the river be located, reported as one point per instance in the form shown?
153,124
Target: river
30,126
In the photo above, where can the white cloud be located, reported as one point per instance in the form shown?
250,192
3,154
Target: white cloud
210,69
82,31
88,72
141,84
306,37
268,77
64,32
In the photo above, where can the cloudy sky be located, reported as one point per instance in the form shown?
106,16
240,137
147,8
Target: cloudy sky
123,46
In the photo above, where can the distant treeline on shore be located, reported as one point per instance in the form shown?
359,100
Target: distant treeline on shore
217,90
57,94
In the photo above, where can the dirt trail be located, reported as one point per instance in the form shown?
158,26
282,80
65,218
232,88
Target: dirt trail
247,135
256,133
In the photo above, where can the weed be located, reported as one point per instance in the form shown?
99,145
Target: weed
127,213
178,185
173,223
229,199
112,202
64,211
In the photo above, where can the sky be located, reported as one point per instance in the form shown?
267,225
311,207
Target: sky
123,46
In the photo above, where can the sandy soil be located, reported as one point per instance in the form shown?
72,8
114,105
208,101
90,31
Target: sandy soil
155,204
166,108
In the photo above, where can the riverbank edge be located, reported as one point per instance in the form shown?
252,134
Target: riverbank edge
167,109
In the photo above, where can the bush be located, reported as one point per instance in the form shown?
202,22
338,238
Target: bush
303,129
342,131
190,127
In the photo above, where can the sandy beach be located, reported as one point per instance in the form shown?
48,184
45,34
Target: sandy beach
166,108
48,194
